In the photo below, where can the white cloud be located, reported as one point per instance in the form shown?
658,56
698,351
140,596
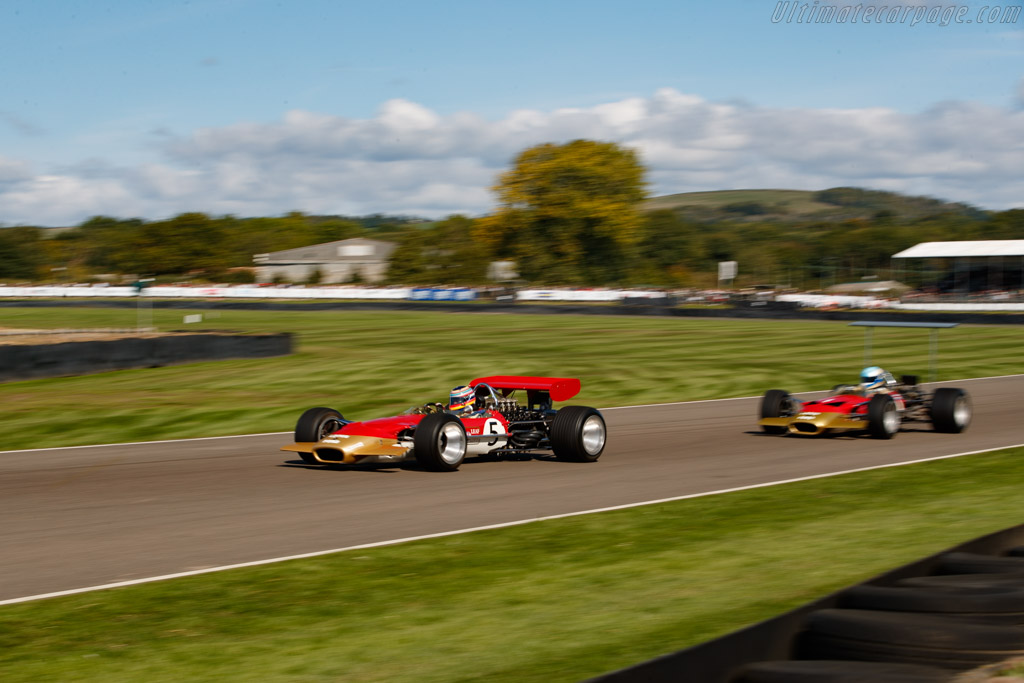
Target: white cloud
409,159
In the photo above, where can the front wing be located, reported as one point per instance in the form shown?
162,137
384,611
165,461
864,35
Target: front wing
353,448
350,449
813,424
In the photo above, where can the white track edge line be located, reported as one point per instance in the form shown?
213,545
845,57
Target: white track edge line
502,525
140,443
243,436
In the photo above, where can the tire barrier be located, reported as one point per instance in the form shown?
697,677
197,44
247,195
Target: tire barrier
931,620
21,362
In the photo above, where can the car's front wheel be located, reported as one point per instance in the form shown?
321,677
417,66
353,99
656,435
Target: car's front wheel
439,442
315,424
883,417
776,403
578,434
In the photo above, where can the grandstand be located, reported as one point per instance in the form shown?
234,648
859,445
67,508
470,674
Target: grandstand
990,270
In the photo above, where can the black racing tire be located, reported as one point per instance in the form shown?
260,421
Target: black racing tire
439,442
578,434
950,410
315,424
883,417
839,672
774,404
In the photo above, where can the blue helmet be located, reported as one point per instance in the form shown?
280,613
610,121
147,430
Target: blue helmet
872,377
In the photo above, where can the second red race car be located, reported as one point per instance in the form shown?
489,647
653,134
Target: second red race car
483,418
878,406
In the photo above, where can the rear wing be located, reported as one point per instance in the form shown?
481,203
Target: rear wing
557,388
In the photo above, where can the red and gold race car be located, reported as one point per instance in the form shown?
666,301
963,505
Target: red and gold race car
878,412
483,418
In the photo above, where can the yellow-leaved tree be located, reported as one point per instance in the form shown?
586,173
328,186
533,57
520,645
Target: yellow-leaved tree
568,214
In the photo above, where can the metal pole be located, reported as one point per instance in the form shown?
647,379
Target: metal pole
933,351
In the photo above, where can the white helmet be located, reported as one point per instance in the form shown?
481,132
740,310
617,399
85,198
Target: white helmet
872,377
461,400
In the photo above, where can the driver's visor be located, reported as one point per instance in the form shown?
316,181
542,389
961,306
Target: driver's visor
462,405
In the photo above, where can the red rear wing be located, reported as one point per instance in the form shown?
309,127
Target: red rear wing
560,388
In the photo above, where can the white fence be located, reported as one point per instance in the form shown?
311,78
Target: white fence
254,292
241,292
460,294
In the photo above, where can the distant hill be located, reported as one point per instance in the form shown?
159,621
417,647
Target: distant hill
837,203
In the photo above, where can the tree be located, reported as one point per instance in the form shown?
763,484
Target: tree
569,213
667,249
447,253
20,254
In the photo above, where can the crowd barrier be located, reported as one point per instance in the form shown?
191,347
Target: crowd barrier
354,293
442,294
465,294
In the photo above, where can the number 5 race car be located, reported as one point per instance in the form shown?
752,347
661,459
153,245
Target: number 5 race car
879,414
439,439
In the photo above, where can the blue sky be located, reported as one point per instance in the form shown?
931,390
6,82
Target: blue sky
259,107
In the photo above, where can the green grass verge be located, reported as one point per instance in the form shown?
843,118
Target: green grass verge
556,601
371,363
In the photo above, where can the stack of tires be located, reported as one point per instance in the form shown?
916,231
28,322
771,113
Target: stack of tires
969,612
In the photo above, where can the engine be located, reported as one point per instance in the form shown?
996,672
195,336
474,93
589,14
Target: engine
527,426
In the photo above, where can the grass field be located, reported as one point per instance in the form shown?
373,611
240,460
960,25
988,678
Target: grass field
561,600
556,601
372,363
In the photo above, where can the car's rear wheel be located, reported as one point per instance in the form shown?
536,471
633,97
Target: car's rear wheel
775,403
315,424
883,417
578,434
439,442
951,410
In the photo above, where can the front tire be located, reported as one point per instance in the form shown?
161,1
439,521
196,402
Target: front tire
578,434
951,410
439,442
883,418
775,403
315,424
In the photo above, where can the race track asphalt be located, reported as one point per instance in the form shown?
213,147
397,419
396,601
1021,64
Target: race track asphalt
78,517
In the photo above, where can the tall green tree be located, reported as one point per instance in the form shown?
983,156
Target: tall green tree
20,253
569,213
447,253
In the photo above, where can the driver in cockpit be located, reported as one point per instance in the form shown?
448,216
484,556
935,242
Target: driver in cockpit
462,401
875,380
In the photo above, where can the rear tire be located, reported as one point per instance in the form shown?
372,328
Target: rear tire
775,403
439,442
950,410
578,434
315,424
883,418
